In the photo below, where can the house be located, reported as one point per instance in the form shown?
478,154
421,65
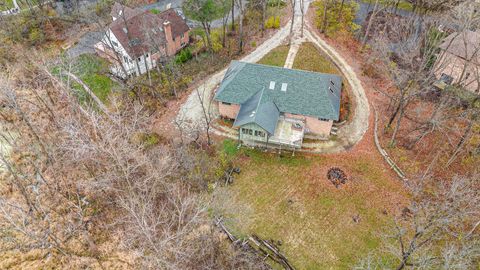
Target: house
137,39
276,106
459,61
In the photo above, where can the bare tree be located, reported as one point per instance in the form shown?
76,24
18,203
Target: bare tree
292,6
437,230
206,101
79,171
241,9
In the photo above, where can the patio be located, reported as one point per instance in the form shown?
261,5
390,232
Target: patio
288,132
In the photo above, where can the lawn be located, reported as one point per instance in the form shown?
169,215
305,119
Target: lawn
276,57
92,71
7,4
311,59
290,200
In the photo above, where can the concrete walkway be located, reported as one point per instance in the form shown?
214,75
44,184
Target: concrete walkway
192,120
297,39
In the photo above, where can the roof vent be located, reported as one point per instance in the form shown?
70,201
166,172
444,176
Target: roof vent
252,114
284,87
272,85
331,90
332,82
125,30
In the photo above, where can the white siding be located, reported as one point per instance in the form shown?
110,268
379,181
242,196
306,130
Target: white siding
129,64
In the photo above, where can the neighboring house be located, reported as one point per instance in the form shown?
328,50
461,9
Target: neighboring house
278,106
459,61
137,39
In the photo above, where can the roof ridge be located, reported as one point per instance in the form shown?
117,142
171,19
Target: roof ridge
259,101
290,69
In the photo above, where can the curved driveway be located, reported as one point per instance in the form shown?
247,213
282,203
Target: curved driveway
191,119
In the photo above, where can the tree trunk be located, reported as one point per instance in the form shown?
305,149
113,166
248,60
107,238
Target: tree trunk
401,113
341,10
148,71
293,2
233,16
302,7
264,15
394,114
461,143
369,25
324,20
240,31
206,28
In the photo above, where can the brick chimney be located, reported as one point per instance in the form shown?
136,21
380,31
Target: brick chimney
167,27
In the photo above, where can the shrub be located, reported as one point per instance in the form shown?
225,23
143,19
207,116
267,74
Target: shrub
35,36
216,38
154,11
276,25
254,44
272,22
334,24
147,140
276,3
269,22
183,56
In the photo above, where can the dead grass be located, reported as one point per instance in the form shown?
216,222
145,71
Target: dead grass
292,201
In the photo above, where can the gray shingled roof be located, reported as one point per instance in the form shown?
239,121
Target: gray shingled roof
307,93
259,110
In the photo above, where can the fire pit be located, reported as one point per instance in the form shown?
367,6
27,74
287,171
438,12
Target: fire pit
337,176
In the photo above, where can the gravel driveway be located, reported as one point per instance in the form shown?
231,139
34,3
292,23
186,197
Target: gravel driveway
190,116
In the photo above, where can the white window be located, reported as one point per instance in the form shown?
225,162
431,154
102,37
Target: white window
272,85
284,87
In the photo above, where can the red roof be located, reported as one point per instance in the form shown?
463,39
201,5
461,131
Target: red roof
140,31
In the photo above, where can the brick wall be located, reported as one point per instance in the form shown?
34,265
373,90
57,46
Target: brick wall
228,111
313,124
174,44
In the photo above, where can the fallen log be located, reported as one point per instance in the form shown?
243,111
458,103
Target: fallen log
264,248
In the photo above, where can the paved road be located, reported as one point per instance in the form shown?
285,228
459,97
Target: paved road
177,4
85,44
